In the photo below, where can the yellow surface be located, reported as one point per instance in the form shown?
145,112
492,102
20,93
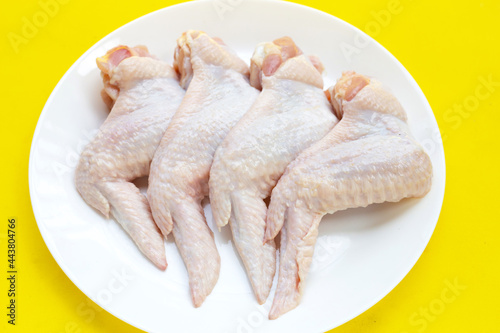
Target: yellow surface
447,47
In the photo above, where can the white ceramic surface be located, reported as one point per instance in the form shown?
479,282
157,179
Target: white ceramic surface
361,255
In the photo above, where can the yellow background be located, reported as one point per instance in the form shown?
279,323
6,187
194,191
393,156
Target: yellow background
446,46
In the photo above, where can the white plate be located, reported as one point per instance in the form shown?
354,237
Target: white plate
361,254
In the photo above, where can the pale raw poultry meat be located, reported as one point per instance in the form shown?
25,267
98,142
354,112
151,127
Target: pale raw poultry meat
144,94
290,114
218,95
369,157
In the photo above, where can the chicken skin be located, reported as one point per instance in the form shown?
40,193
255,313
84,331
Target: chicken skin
369,157
144,94
218,95
291,113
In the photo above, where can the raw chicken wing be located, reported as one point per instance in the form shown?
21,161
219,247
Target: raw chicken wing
369,157
144,94
218,94
290,114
